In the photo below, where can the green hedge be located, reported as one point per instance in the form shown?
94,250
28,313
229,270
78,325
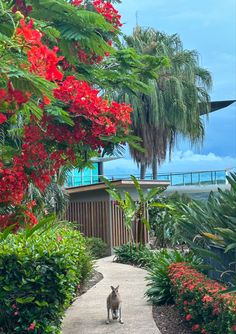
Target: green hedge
39,277
97,247
201,301
138,255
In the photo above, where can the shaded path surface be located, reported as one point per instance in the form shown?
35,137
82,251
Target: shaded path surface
87,315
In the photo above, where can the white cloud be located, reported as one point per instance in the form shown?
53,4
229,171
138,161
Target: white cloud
181,162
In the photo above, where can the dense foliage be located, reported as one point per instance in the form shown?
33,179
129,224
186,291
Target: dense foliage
133,254
39,276
164,222
52,114
209,226
201,301
157,264
159,287
97,247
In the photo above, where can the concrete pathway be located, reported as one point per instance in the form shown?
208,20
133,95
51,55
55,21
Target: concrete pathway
87,315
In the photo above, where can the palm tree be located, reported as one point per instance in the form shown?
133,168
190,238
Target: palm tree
173,106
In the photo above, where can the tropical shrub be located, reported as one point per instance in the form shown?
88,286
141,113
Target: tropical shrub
135,211
135,254
157,264
97,247
159,291
210,227
164,221
39,276
201,300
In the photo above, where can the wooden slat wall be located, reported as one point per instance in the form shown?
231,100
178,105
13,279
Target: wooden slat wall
92,218
101,219
120,234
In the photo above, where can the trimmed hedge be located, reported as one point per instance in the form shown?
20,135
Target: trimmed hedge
39,277
201,301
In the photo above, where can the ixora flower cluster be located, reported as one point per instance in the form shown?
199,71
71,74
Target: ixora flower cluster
202,301
48,143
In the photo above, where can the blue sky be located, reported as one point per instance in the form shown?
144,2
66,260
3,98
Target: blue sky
209,27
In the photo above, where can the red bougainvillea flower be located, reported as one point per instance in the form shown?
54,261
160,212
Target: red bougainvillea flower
12,99
188,317
76,2
27,34
3,118
43,60
108,11
195,327
31,326
233,328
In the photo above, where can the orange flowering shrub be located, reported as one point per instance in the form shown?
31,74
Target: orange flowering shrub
201,301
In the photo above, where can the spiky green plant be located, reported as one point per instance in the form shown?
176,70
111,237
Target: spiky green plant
210,228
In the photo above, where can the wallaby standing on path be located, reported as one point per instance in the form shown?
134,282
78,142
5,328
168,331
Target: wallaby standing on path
114,305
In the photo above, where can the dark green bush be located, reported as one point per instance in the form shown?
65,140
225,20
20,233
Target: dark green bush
39,277
97,247
138,255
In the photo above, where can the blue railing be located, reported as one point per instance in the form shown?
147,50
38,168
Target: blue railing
176,179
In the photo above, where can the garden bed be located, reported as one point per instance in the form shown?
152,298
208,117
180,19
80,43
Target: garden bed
93,280
169,320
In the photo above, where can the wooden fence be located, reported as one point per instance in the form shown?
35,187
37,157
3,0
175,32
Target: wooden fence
101,219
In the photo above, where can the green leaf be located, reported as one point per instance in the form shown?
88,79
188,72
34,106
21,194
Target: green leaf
25,300
138,188
6,232
41,304
60,114
46,222
230,247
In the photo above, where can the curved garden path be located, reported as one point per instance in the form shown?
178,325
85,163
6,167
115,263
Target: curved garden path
87,315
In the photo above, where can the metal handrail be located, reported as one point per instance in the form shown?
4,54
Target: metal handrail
175,178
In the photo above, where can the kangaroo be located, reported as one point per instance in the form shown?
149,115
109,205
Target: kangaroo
114,305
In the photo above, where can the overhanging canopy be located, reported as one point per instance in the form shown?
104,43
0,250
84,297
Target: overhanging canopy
217,105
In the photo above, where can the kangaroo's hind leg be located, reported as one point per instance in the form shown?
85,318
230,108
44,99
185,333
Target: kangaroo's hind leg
120,318
108,315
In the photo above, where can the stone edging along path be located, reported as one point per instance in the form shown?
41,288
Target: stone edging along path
87,315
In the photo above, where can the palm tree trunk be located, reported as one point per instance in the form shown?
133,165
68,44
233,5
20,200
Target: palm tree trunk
154,168
142,171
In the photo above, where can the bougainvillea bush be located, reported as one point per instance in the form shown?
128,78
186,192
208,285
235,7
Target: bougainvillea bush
201,300
39,277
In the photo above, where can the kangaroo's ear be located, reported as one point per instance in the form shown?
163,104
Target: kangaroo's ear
117,288
112,287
